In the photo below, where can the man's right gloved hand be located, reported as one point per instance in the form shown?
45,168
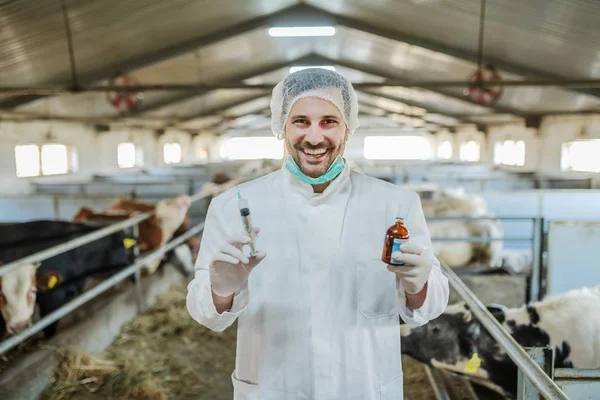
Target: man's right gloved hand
230,267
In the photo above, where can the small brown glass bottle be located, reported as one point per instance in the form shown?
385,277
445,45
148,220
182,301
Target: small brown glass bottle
394,237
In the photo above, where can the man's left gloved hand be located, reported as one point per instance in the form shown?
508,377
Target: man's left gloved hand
418,261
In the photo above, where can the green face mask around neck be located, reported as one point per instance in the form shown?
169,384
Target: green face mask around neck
334,170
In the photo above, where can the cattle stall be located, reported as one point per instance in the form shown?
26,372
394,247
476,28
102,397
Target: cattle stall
122,121
101,287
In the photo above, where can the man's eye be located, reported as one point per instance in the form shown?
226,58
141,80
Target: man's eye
300,121
330,121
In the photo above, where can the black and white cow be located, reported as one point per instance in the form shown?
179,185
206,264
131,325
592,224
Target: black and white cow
57,280
569,322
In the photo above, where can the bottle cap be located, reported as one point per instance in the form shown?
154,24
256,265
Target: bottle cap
400,219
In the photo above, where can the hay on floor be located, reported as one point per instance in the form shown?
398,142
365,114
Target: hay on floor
416,384
164,354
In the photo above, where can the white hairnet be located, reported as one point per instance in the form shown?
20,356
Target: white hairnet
313,82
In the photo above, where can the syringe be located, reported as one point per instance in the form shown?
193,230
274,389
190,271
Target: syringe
245,213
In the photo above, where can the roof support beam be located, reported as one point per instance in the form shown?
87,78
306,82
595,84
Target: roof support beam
374,71
219,109
391,112
203,89
25,95
460,117
511,68
391,81
164,53
229,120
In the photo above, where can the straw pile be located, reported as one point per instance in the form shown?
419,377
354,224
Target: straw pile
416,385
164,354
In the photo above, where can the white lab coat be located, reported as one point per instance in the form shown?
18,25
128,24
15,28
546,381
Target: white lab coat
318,318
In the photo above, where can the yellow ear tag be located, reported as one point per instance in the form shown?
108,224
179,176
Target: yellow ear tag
52,281
472,365
129,243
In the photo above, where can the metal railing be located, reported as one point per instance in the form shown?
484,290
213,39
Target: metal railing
536,375
59,313
537,277
532,376
132,269
100,233
576,383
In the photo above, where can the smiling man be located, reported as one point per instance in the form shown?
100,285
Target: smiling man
317,309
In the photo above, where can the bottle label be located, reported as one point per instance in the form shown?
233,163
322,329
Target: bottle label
396,248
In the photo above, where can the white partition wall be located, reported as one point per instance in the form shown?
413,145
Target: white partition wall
573,254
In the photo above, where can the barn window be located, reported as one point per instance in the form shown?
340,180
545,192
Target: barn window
580,155
28,161
172,153
444,150
470,151
397,148
129,155
201,153
251,148
509,152
48,159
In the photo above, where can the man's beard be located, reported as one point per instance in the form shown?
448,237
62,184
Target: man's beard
316,168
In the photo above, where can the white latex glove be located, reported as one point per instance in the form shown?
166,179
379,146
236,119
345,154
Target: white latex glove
418,261
230,267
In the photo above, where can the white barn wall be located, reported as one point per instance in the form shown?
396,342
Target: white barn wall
208,141
464,135
556,130
174,136
97,152
443,136
355,147
108,143
515,132
13,134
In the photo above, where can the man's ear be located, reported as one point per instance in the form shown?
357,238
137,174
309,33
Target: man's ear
47,280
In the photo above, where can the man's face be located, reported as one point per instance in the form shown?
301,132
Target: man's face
315,134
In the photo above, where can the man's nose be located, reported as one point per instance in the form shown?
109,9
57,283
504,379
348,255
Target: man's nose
315,135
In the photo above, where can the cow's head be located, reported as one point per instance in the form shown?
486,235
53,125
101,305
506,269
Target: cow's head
18,290
455,341
171,213
447,339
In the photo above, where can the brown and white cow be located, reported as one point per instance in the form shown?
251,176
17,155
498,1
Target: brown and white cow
58,279
18,292
169,220
217,180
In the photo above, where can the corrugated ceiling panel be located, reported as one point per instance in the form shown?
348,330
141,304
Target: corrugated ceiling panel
528,33
397,60
32,47
107,33
200,104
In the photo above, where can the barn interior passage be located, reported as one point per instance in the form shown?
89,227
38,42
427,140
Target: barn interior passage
127,129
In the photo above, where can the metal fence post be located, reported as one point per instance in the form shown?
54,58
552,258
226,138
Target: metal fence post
543,273
544,357
536,258
539,378
138,274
